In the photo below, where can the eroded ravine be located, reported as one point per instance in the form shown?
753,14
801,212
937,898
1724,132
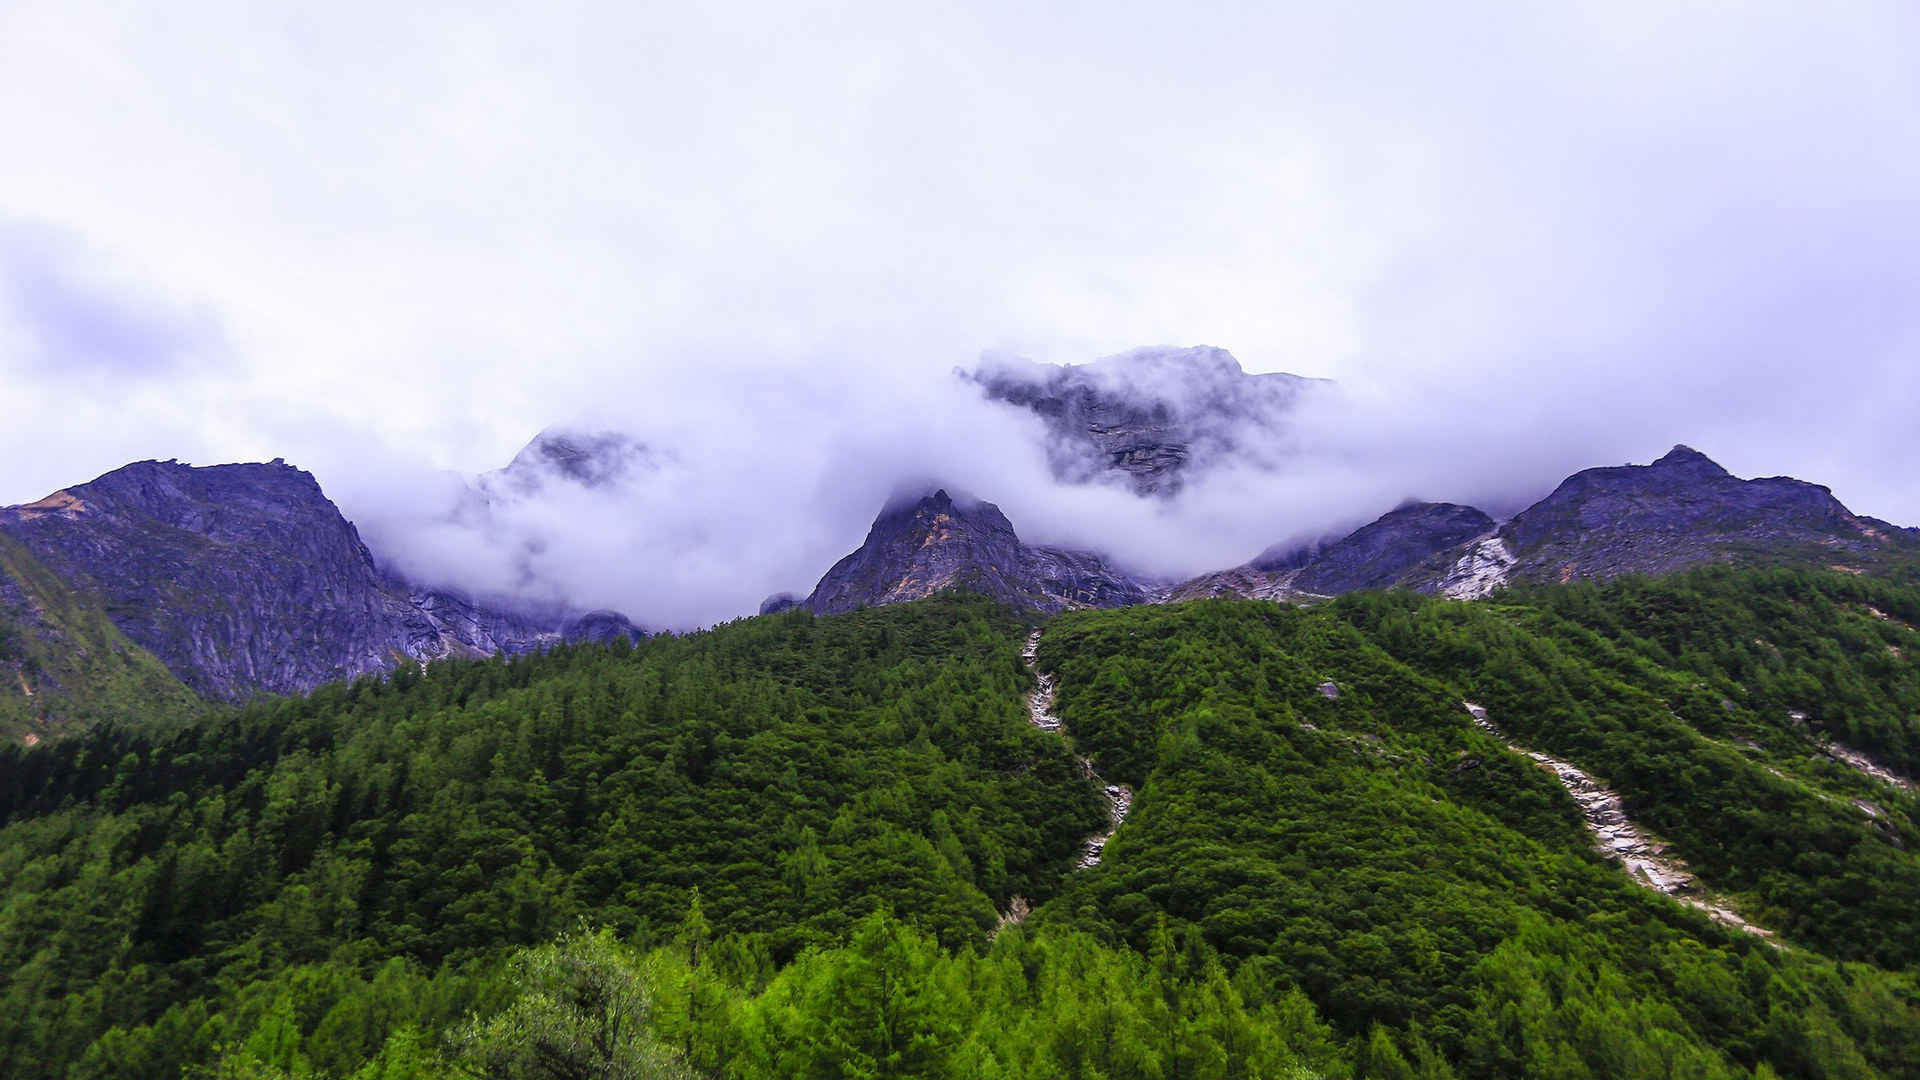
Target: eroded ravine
1040,712
1647,860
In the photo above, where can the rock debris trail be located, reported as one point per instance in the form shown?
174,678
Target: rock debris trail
1646,860
1040,711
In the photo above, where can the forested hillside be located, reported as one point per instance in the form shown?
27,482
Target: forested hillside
783,847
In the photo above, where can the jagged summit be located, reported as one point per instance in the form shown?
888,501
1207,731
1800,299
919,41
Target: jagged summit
1683,456
923,545
1682,510
1150,416
246,578
585,456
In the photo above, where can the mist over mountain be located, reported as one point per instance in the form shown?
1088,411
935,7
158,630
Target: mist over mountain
693,511
693,504
1153,416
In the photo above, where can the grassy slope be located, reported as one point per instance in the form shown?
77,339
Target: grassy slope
59,644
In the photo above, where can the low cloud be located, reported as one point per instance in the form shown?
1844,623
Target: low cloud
755,480
72,315
1522,242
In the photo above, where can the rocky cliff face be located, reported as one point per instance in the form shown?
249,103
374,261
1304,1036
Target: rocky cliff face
64,665
1152,416
245,578
1681,511
1376,555
921,546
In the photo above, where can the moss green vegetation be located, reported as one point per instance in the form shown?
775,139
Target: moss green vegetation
777,849
63,664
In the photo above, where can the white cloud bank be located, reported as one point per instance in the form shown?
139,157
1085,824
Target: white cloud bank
379,242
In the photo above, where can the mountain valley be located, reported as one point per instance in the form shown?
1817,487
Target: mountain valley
1617,786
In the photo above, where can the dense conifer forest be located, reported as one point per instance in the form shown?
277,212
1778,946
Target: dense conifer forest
801,847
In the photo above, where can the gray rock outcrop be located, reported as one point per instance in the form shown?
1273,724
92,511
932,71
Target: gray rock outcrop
1155,415
923,545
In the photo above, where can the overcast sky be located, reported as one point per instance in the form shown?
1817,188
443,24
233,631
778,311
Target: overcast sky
379,239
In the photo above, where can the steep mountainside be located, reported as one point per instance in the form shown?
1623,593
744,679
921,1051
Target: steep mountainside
919,547
1154,415
245,578
63,664
841,846
1374,556
1681,511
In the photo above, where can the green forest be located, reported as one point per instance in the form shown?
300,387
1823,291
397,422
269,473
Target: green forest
793,846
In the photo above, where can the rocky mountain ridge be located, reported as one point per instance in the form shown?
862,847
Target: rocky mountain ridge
936,542
242,579
245,578
1680,511
1154,415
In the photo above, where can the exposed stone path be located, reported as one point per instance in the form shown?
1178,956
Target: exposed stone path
1865,764
1646,859
1040,711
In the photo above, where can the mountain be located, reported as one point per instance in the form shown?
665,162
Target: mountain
1374,556
63,663
246,578
1155,416
921,546
588,457
1681,511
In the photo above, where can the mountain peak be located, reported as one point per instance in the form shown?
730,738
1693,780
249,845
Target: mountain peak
1682,510
242,578
1153,415
588,457
923,545
1683,456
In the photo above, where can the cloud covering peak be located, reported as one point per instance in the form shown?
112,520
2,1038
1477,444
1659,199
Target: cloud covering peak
1522,241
